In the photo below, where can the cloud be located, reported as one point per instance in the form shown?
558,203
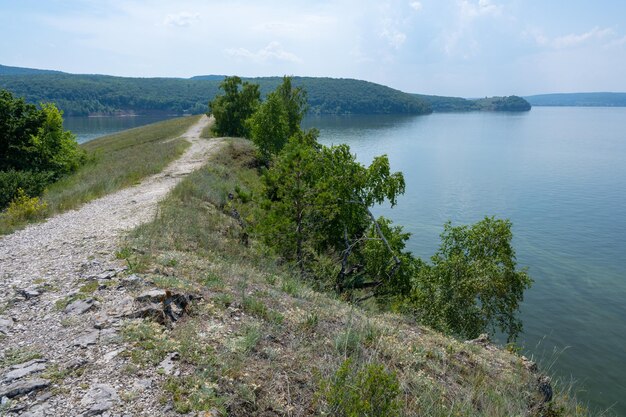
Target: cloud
182,19
416,5
577,39
573,39
616,42
392,35
471,10
272,52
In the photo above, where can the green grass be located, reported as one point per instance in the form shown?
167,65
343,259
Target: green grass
115,162
280,348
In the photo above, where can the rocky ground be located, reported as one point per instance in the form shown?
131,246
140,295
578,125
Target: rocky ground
64,300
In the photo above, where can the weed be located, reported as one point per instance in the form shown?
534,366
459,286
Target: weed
195,392
16,356
290,286
348,343
257,308
310,322
250,339
223,300
150,343
350,392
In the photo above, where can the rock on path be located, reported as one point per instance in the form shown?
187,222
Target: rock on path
62,254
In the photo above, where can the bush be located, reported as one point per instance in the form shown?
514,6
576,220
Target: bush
24,208
32,183
369,392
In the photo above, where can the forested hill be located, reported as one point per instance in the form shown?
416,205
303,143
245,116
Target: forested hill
451,104
6,70
102,94
579,99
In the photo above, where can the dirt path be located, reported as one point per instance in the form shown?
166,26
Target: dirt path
79,372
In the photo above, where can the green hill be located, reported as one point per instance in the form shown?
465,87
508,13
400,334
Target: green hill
579,99
6,70
101,94
451,104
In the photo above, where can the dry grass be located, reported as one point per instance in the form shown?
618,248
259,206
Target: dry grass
263,342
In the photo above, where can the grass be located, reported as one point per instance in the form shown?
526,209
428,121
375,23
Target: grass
115,162
265,343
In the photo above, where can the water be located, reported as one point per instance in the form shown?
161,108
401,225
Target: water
88,128
559,174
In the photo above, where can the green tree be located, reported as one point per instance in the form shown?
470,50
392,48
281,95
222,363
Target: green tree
473,285
269,126
278,118
318,202
231,109
34,148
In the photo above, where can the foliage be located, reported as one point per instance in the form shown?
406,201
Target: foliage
369,392
34,148
472,285
30,182
445,104
23,207
269,126
79,95
317,201
234,107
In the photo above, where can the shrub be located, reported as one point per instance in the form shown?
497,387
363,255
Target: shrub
369,392
23,207
32,183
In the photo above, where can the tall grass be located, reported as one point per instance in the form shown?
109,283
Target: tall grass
115,162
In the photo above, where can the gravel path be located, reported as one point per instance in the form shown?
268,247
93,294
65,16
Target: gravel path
80,371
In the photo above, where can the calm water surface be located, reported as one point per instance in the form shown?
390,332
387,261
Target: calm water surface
88,128
559,174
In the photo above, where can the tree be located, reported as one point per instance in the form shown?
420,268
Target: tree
318,202
34,148
234,107
277,119
473,285
269,126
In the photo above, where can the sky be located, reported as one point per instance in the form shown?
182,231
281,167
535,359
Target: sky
467,48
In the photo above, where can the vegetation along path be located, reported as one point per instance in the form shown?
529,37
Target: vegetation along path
57,341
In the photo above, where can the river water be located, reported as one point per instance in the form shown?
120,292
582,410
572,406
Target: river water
559,174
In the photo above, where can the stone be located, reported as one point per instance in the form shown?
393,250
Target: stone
101,321
87,339
24,369
99,398
5,325
152,296
167,364
24,387
544,385
121,306
29,293
108,335
131,280
142,384
80,306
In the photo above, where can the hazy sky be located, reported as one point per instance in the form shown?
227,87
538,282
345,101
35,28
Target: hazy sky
467,48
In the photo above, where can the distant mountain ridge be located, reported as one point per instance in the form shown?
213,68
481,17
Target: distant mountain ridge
599,99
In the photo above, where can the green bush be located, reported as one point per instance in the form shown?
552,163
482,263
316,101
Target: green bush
369,392
23,207
32,183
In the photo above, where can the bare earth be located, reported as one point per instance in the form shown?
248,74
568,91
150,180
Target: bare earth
45,263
